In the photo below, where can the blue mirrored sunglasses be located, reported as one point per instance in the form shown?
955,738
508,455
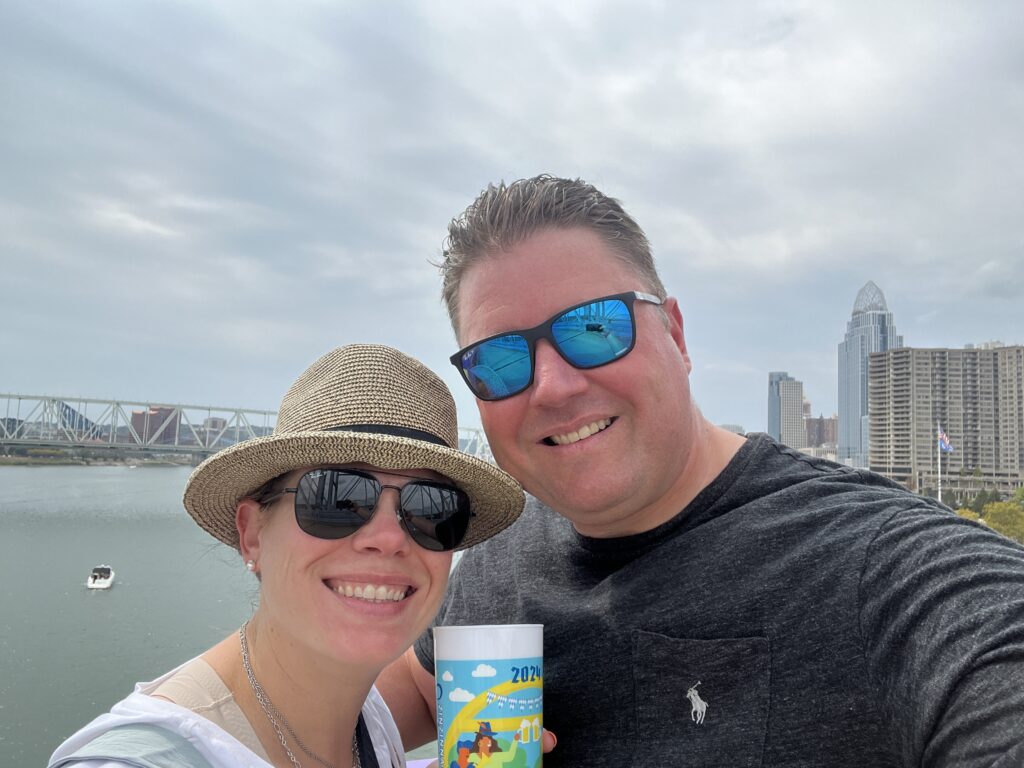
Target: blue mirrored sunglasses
588,335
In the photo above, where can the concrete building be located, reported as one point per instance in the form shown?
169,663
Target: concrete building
821,431
736,429
158,424
870,329
821,452
786,409
975,394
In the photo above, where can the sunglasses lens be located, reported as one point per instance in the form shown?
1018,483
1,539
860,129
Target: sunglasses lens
498,368
332,504
435,515
335,503
594,334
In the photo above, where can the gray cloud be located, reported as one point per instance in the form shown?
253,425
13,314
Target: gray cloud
199,199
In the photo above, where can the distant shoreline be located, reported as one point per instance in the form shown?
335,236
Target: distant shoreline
79,461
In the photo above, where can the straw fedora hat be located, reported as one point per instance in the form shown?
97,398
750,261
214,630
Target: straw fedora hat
360,403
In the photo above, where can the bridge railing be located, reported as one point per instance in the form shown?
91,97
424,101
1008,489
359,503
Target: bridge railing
48,420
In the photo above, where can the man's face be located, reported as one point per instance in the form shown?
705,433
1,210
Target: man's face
620,479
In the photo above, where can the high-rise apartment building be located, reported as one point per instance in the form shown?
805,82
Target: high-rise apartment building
975,394
870,329
786,409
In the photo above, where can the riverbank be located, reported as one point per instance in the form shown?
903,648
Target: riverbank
93,461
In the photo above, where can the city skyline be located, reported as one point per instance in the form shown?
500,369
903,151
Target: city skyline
198,201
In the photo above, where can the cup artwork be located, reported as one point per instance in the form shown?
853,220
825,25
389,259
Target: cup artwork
489,695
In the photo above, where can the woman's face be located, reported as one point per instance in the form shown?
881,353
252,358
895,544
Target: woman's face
361,599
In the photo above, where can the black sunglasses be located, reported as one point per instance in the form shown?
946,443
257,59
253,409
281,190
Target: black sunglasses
588,335
335,503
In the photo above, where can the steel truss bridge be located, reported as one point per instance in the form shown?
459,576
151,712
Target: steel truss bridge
47,421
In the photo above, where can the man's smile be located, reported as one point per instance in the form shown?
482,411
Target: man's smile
581,434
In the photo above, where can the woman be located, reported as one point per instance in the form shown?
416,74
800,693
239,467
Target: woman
487,751
348,515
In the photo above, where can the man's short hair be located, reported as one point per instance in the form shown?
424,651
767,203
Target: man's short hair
506,214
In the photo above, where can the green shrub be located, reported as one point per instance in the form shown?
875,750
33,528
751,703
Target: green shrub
1005,517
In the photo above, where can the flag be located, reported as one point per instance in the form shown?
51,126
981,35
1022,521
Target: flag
944,445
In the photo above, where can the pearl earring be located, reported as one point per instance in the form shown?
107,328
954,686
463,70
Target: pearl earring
250,566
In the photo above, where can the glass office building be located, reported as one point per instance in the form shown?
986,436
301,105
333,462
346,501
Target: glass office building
870,329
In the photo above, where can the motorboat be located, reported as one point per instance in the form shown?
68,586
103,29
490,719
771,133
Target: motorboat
102,577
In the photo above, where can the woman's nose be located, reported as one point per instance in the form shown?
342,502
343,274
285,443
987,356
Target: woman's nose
383,532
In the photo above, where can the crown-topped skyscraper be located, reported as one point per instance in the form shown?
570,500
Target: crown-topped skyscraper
870,329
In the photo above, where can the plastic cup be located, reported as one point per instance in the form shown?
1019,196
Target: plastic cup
489,694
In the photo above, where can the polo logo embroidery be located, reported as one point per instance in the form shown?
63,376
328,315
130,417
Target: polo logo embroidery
700,707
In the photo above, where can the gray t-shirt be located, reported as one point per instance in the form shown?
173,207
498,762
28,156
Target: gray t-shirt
796,613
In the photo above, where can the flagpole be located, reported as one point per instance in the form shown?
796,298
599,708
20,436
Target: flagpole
938,450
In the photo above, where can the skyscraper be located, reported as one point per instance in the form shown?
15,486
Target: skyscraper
786,409
870,329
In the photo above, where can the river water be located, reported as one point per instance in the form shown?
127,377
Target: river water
67,653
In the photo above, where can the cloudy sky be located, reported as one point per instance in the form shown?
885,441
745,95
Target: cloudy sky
197,199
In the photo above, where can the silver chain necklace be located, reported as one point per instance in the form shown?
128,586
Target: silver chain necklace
278,720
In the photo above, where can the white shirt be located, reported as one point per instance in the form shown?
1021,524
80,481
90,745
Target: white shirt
220,748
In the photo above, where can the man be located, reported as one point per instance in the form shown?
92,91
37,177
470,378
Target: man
707,599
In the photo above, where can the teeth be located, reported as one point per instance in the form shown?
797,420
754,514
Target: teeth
376,593
582,434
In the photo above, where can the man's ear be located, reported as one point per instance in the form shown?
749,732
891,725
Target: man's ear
248,521
675,328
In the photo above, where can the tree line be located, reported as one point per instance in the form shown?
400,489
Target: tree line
1005,517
